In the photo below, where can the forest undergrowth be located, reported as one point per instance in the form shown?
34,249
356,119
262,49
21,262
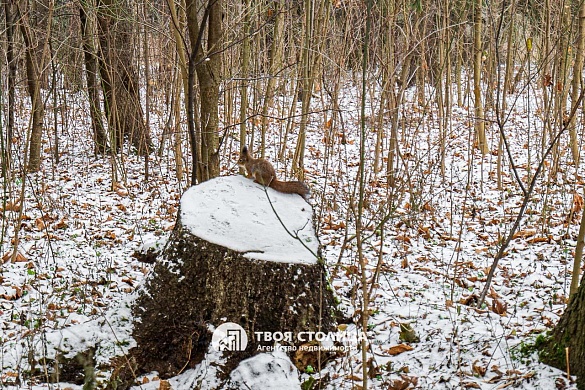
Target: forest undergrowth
430,238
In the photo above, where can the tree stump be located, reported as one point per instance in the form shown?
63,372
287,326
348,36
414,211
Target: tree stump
229,259
568,333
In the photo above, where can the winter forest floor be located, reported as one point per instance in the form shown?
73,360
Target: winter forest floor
72,284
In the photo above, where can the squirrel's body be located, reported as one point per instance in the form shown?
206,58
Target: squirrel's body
263,173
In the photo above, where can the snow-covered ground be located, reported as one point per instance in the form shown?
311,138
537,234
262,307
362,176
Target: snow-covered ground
75,277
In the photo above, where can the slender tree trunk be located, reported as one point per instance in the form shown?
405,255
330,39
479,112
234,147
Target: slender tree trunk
578,257
9,12
207,65
275,64
91,70
477,62
119,75
33,72
306,89
178,149
576,83
561,79
547,78
245,60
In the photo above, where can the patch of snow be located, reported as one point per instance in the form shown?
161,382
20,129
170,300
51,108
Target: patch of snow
266,371
235,212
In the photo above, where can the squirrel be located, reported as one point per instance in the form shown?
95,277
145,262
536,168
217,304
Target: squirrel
263,173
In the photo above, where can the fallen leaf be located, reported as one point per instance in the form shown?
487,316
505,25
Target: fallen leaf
470,300
471,385
524,233
39,223
499,307
61,224
478,369
403,238
12,206
164,385
398,349
19,258
577,203
328,124
120,189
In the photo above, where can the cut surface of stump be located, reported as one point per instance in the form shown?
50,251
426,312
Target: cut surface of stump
230,259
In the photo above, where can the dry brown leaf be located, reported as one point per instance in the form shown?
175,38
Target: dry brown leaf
335,225
478,368
577,203
424,232
307,355
536,240
524,233
403,383
471,385
62,224
40,224
461,283
470,300
427,207
499,307
493,293
19,258
12,206
120,189
12,297
164,385
6,257
403,238
398,349
351,270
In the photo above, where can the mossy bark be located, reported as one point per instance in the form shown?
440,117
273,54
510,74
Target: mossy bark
196,283
569,332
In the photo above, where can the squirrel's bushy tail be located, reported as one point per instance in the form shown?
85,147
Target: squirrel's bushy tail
291,187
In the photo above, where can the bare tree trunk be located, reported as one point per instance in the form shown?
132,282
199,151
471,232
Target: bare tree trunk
207,65
561,78
91,69
306,89
245,60
477,62
576,83
9,13
119,75
33,72
314,22
275,64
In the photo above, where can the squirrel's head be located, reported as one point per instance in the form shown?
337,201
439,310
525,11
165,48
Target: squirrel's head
244,156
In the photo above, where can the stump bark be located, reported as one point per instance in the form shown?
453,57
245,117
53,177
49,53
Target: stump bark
229,259
568,333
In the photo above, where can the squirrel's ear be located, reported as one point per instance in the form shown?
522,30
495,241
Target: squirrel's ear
245,149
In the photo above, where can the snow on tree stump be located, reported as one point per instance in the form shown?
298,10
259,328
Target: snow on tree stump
229,259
